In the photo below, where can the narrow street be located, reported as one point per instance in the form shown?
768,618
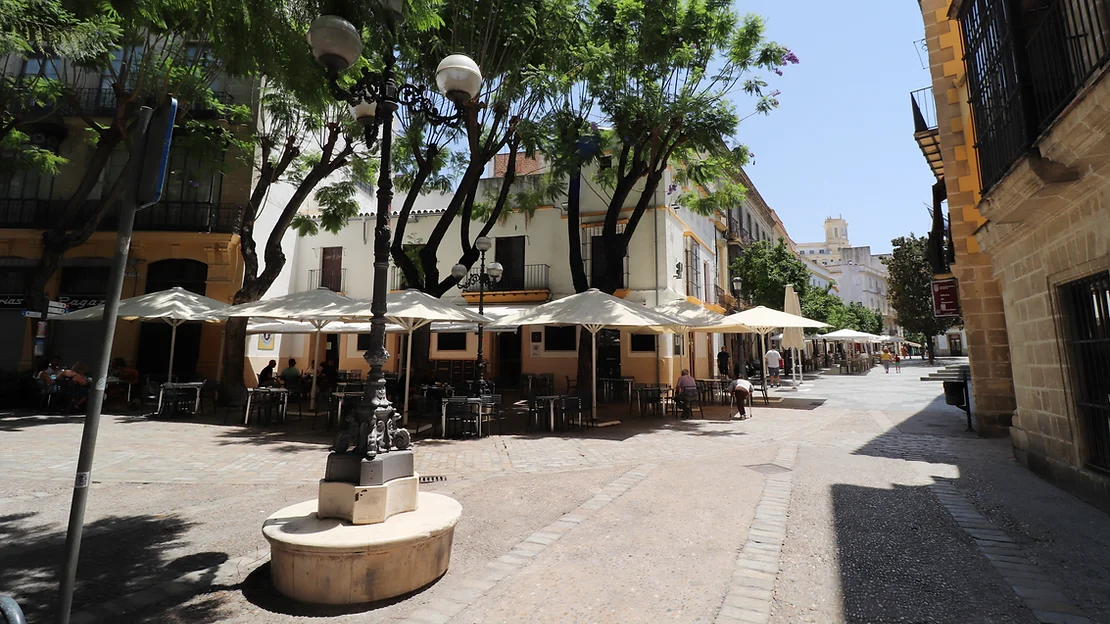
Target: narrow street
855,499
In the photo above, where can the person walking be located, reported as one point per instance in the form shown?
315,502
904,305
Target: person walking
774,363
897,362
741,389
723,359
885,357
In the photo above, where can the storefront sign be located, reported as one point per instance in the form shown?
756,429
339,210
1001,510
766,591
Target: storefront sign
946,297
79,302
11,301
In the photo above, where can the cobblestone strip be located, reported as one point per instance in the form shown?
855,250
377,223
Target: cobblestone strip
753,581
467,591
230,572
1039,593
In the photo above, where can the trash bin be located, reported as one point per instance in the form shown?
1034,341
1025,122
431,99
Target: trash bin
955,393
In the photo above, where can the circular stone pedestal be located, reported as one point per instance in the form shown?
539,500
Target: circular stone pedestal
335,562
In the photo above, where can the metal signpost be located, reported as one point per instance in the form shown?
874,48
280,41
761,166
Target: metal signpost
145,178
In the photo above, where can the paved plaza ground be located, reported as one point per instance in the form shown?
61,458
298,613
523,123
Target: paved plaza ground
855,499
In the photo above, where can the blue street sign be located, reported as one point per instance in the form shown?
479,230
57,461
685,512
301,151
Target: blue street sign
159,136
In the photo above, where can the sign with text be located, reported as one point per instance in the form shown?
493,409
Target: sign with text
946,297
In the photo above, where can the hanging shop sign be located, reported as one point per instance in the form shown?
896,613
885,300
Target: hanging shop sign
946,297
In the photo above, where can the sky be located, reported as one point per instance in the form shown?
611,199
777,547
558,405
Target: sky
841,141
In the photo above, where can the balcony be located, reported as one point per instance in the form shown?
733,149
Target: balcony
101,102
737,234
202,217
1024,67
334,280
925,129
531,285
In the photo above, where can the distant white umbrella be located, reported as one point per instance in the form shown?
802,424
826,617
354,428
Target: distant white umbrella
174,306
412,309
317,307
594,311
793,337
693,315
851,335
763,321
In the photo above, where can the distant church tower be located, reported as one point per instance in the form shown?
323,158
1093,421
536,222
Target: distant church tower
836,234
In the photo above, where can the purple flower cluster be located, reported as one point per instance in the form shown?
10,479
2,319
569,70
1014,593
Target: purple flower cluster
671,188
790,58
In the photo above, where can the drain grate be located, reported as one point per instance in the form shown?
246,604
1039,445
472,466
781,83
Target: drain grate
432,479
768,469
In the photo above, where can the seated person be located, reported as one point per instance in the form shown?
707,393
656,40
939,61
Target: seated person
684,384
741,389
47,377
290,376
120,370
76,375
266,377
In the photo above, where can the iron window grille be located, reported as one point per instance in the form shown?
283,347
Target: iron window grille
588,236
1086,314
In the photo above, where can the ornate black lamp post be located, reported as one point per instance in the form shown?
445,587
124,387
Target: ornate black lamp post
373,99
484,278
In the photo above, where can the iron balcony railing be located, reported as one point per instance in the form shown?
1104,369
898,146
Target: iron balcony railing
1024,66
924,110
41,214
334,280
101,102
736,233
533,277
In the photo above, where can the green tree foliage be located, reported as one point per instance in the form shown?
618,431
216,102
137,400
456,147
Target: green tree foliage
153,49
658,75
820,304
765,269
514,42
910,285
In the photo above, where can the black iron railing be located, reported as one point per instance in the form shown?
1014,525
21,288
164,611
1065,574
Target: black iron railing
924,110
41,214
1024,66
334,280
533,277
736,233
101,102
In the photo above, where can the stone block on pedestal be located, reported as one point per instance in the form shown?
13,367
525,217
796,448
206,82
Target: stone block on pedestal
367,504
350,468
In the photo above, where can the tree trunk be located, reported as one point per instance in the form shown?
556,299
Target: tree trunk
421,354
235,351
931,350
585,367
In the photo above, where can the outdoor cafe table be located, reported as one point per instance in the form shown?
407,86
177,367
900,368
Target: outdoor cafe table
115,381
471,402
609,384
189,385
282,393
551,400
339,409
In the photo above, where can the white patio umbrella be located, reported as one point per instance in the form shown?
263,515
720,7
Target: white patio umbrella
763,321
317,307
793,337
412,309
851,335
693,315
174,306
594,311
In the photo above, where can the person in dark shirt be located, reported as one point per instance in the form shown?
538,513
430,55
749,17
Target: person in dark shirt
723,359
266,377
329,375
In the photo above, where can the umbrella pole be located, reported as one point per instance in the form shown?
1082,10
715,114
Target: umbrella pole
173,344
763,357
408,377
220,362
316,356
593,354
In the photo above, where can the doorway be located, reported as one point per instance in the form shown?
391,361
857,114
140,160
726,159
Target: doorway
509,365
955,345
510,253
609,354
154,336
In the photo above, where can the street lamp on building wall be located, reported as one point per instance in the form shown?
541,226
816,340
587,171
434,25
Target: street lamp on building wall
373,99
485,277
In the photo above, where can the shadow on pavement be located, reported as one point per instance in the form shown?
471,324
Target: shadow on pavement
901,558
19,422
119,555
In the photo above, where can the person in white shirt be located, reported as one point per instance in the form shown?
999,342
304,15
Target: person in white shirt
774,362
741,389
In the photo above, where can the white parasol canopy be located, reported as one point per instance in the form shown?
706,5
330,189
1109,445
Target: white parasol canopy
693,315
317,307
174,306
763,321
412,309
851,335
594,311
793,337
